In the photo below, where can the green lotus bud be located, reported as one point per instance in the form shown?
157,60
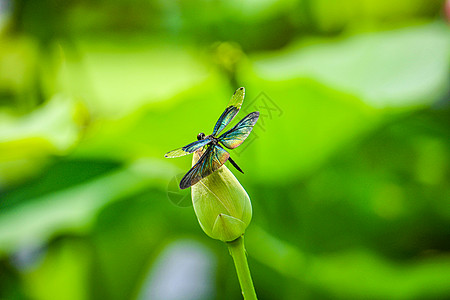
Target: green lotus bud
221,204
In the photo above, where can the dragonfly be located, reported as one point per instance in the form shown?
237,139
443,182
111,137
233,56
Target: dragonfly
214,154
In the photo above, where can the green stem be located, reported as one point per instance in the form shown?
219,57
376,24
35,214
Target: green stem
237,251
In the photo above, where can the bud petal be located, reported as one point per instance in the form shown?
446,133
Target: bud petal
228,228
221,204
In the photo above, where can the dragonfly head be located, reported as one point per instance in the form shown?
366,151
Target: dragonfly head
200,136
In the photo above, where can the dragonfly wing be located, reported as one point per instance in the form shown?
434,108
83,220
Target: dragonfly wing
211,160
231,111
187,149
236,135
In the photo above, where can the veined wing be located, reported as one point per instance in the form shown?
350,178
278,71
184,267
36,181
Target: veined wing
231,111
187,149
236,135
211,160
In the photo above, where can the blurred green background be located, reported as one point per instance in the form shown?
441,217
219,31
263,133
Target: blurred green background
347,168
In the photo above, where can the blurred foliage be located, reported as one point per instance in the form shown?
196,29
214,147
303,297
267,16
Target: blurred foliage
347,168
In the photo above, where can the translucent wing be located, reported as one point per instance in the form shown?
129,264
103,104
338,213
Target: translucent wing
231,111
211,160
236,135
187,149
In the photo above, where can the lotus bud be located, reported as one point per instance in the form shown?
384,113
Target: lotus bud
221,204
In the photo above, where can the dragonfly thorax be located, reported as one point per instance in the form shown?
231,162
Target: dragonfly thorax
214,140
202,136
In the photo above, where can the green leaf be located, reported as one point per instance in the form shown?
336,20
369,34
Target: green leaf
392,68
74,208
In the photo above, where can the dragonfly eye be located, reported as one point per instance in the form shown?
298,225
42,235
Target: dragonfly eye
200,136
